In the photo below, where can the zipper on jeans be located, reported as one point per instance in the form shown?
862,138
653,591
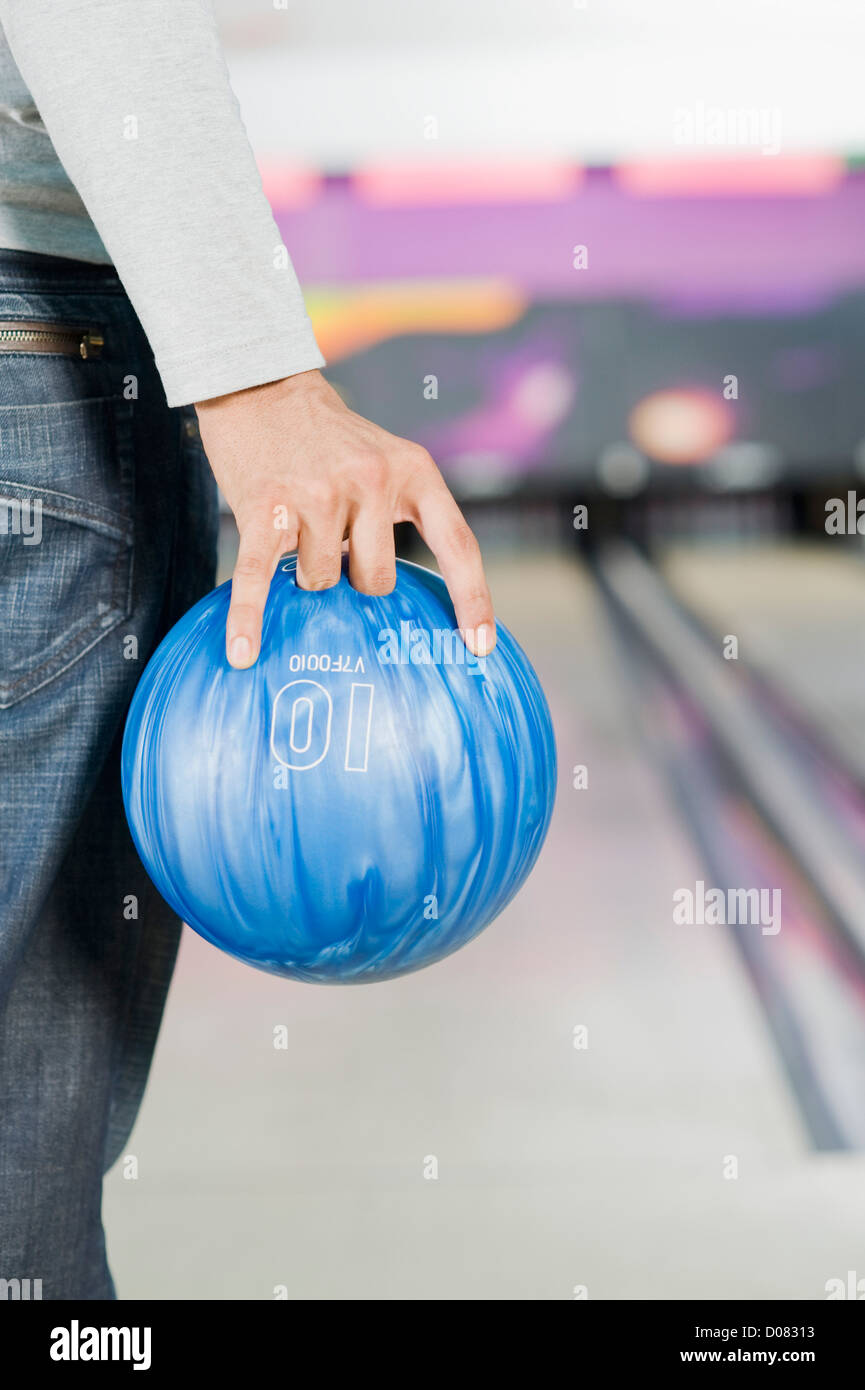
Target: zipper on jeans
23,335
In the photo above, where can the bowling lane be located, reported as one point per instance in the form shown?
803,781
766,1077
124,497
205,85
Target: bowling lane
798,610
312,1166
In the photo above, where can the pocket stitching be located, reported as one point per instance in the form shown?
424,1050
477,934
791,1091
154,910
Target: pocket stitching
8,698
118,609
8,688
112,523
119,422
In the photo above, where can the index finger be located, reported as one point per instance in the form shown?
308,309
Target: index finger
257,558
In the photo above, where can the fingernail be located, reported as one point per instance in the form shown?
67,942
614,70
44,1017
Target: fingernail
485,640
240,652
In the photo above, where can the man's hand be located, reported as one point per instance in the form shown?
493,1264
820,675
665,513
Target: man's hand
302,472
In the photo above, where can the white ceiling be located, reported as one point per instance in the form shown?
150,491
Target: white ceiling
335,82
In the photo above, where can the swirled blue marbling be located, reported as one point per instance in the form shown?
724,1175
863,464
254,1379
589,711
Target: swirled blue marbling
340,812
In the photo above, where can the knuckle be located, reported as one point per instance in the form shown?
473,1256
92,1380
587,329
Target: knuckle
249,567
381,580
243,616
320,494
463,541
372,470
252,565
420,456
316,582
323,571
420,468
479,601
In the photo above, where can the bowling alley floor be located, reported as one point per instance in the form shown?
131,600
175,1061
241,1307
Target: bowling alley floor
798,610
310,1169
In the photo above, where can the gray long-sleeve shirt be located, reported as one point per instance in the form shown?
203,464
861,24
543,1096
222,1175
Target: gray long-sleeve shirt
121,141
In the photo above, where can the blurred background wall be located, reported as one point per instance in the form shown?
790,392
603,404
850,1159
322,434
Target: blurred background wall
455,182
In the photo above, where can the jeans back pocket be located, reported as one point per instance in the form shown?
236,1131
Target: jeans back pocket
66,535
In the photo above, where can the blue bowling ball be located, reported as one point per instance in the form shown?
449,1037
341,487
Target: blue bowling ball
361,802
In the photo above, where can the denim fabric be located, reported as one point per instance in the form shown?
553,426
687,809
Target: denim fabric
128,543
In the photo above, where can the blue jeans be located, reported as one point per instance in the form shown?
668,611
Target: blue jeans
108,528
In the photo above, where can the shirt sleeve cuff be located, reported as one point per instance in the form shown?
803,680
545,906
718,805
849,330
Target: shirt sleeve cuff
217,370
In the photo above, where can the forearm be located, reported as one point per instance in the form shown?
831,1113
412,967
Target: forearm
136,98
